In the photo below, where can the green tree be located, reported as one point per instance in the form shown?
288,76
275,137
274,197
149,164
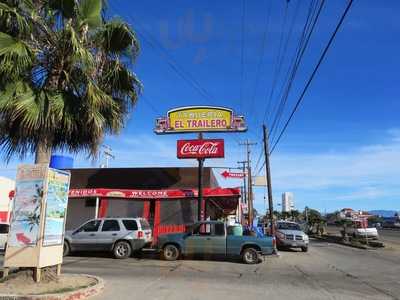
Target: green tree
315,221
65,78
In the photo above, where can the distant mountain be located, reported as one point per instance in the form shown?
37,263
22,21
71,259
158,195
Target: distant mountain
383,213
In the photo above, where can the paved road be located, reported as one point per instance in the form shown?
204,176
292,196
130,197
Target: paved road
327,271
390,236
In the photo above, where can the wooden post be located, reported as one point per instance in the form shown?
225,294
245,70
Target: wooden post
5,272
36,274
58,270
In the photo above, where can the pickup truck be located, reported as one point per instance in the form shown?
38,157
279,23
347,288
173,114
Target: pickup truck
211,238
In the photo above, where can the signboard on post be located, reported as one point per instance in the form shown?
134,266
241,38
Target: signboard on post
237,175
200,119
37,225
200,148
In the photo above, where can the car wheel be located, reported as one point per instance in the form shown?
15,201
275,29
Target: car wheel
250,256
66,249
171,252
122,250
304,249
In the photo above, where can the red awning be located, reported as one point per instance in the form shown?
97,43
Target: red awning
153,194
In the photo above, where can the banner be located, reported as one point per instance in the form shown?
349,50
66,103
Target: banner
56,207
25,222
200,148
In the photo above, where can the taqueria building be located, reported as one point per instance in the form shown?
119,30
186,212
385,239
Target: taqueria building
166,197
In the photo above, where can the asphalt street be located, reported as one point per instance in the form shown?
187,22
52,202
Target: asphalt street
327,271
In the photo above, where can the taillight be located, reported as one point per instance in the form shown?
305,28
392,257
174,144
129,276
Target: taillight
140,234
274,242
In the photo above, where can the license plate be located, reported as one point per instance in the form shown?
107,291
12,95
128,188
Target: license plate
294,244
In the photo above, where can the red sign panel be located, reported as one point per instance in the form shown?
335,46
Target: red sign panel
200,148
227,174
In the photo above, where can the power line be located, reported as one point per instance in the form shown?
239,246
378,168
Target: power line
304,42
313,73
242,53
157,46
262,54
276,65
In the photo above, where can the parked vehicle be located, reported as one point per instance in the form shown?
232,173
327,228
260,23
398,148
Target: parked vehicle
360,229
4,228
121,236
211,238
289,234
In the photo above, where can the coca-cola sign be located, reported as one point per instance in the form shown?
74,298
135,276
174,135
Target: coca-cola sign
200,148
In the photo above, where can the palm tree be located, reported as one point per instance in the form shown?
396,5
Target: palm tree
65,78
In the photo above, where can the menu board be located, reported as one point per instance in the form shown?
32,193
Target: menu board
56,207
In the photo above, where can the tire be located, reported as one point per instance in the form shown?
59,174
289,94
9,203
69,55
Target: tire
304,249
250,256
171,252
66,249
122,250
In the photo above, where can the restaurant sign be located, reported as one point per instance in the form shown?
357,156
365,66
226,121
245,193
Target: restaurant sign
200,119
210,148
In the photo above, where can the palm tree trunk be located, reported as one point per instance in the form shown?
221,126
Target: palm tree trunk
43,153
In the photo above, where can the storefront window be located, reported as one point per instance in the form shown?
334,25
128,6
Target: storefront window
125,208
178,212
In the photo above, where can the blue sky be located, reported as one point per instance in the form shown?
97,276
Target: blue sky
342,148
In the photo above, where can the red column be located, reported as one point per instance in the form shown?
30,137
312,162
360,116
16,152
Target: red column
146,209
157,215
103,207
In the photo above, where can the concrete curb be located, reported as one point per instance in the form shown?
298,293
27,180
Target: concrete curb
83,293
326,239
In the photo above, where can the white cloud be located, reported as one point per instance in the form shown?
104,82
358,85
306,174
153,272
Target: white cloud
365,166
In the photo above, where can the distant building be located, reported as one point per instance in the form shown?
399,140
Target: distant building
351,214
287,202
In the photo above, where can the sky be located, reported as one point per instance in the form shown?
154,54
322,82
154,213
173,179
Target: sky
342,148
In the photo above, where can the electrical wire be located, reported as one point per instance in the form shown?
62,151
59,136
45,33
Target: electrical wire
304,42
242,54
343,16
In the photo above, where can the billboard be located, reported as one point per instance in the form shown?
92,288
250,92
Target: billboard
56,207
210,148
25,221
200,119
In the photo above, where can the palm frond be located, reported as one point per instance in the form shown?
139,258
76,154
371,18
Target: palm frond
90,13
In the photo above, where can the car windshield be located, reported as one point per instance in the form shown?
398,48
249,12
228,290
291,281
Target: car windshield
288,226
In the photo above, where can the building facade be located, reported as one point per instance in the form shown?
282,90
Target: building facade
166,197
287,202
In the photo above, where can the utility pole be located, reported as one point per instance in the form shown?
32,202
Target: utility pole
200,213
268,174
248,144
107,152
243,163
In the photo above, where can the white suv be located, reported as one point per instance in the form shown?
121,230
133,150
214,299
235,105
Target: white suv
122,236
4,228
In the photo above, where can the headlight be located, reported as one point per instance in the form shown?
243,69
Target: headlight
280,235
305,237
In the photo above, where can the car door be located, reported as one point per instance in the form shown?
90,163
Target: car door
196,242
110,231
216,243
85,237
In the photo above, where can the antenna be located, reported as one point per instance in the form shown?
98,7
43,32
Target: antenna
107,154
